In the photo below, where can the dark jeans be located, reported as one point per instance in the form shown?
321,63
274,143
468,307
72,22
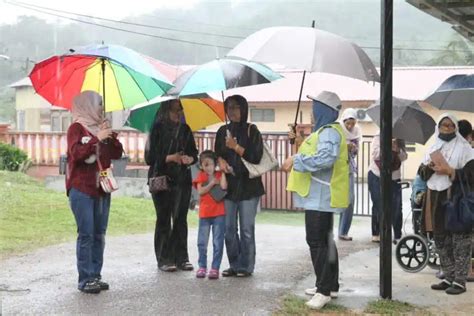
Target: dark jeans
91,215
241,249
375,196
217,224
345,218
323,250
171,229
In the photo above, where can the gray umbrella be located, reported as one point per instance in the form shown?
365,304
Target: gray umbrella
409,121
308,49
455,93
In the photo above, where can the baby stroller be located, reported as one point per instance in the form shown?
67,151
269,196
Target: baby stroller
414,252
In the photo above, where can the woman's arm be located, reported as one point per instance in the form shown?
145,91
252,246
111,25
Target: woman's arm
190,146
206,188
77,150
254,151
223,181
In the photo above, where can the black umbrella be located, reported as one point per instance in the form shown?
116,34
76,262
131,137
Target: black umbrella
409,121
455,93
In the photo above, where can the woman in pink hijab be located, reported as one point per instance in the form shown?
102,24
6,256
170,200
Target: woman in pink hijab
89,138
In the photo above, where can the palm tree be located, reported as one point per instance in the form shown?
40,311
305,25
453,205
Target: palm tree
457,52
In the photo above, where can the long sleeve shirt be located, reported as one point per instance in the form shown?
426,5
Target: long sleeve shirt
83,176
321,167
375,155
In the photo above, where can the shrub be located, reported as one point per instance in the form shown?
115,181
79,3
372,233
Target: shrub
11,158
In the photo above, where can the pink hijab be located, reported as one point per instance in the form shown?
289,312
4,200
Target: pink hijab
87,110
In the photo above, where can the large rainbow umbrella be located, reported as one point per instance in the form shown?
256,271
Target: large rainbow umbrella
127,77
198,113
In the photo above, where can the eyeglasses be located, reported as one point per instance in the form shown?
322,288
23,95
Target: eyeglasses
447,125
176,110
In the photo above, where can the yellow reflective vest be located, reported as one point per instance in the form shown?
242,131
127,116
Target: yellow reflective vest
300,182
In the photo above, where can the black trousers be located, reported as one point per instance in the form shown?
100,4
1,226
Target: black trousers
320,239
171,230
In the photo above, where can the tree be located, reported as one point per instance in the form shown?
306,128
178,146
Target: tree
457,52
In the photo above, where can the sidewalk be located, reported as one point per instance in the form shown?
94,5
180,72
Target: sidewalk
359,275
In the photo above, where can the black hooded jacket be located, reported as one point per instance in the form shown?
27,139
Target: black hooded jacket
167,138
240,186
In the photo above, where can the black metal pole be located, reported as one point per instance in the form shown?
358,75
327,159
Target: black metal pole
386,148
292,140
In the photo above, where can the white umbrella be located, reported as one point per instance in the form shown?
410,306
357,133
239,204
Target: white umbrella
308,49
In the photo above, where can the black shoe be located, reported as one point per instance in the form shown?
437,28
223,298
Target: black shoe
442,286
91,287
168,268
456,289
186,266
243,274
229,273
104,286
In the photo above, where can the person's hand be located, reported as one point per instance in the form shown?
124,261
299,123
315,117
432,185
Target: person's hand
288,164
215,181
230,142
186,160
105,125
104,134
223,165
446,170
176,158
296,136
351,147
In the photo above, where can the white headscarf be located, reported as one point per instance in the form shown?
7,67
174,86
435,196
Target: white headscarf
457,152
87,110
355,133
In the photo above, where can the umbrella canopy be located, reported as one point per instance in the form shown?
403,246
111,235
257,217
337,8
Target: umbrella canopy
198,113
308,49
409,121
220,75
130,78
455,93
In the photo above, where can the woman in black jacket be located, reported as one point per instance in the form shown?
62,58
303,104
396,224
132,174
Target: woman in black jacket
171,151
233,141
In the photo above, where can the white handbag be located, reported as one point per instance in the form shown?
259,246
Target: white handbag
267,163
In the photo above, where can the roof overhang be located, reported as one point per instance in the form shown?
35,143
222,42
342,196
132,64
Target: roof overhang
459,13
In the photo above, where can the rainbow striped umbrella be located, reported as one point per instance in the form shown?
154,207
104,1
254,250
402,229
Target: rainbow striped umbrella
122,76
198,113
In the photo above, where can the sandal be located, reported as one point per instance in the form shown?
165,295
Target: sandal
168,268
243,274
229,273
345,238
186,266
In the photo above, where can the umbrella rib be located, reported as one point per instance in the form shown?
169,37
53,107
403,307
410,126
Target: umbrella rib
66,82
138,86
116,84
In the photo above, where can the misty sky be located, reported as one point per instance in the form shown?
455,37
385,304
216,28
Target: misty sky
103,8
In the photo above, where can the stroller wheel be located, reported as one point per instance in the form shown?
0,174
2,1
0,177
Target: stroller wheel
412,253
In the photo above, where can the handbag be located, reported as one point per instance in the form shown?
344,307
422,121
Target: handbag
106,178
459,210
267,163
161,183
216,192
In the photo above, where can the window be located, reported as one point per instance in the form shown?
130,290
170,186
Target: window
262,115
65,122
21,120
55,124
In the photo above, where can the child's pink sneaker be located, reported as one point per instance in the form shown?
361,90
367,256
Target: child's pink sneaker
201,273
213,274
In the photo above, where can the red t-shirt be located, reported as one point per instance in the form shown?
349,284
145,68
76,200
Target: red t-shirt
208,207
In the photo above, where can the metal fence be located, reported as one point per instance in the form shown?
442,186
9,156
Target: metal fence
46,149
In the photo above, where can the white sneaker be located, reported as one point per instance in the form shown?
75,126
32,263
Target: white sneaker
312,291
318,301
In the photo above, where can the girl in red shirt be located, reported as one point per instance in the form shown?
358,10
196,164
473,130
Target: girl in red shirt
211,186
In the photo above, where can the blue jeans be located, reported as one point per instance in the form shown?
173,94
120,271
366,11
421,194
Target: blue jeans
92,215
375,196
218,228
241,249
345,218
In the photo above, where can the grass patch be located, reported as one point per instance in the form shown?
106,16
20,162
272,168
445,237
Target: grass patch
393,307
294,305
32,216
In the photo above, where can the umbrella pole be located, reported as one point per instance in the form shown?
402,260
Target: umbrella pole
103,83
292,140
225,113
